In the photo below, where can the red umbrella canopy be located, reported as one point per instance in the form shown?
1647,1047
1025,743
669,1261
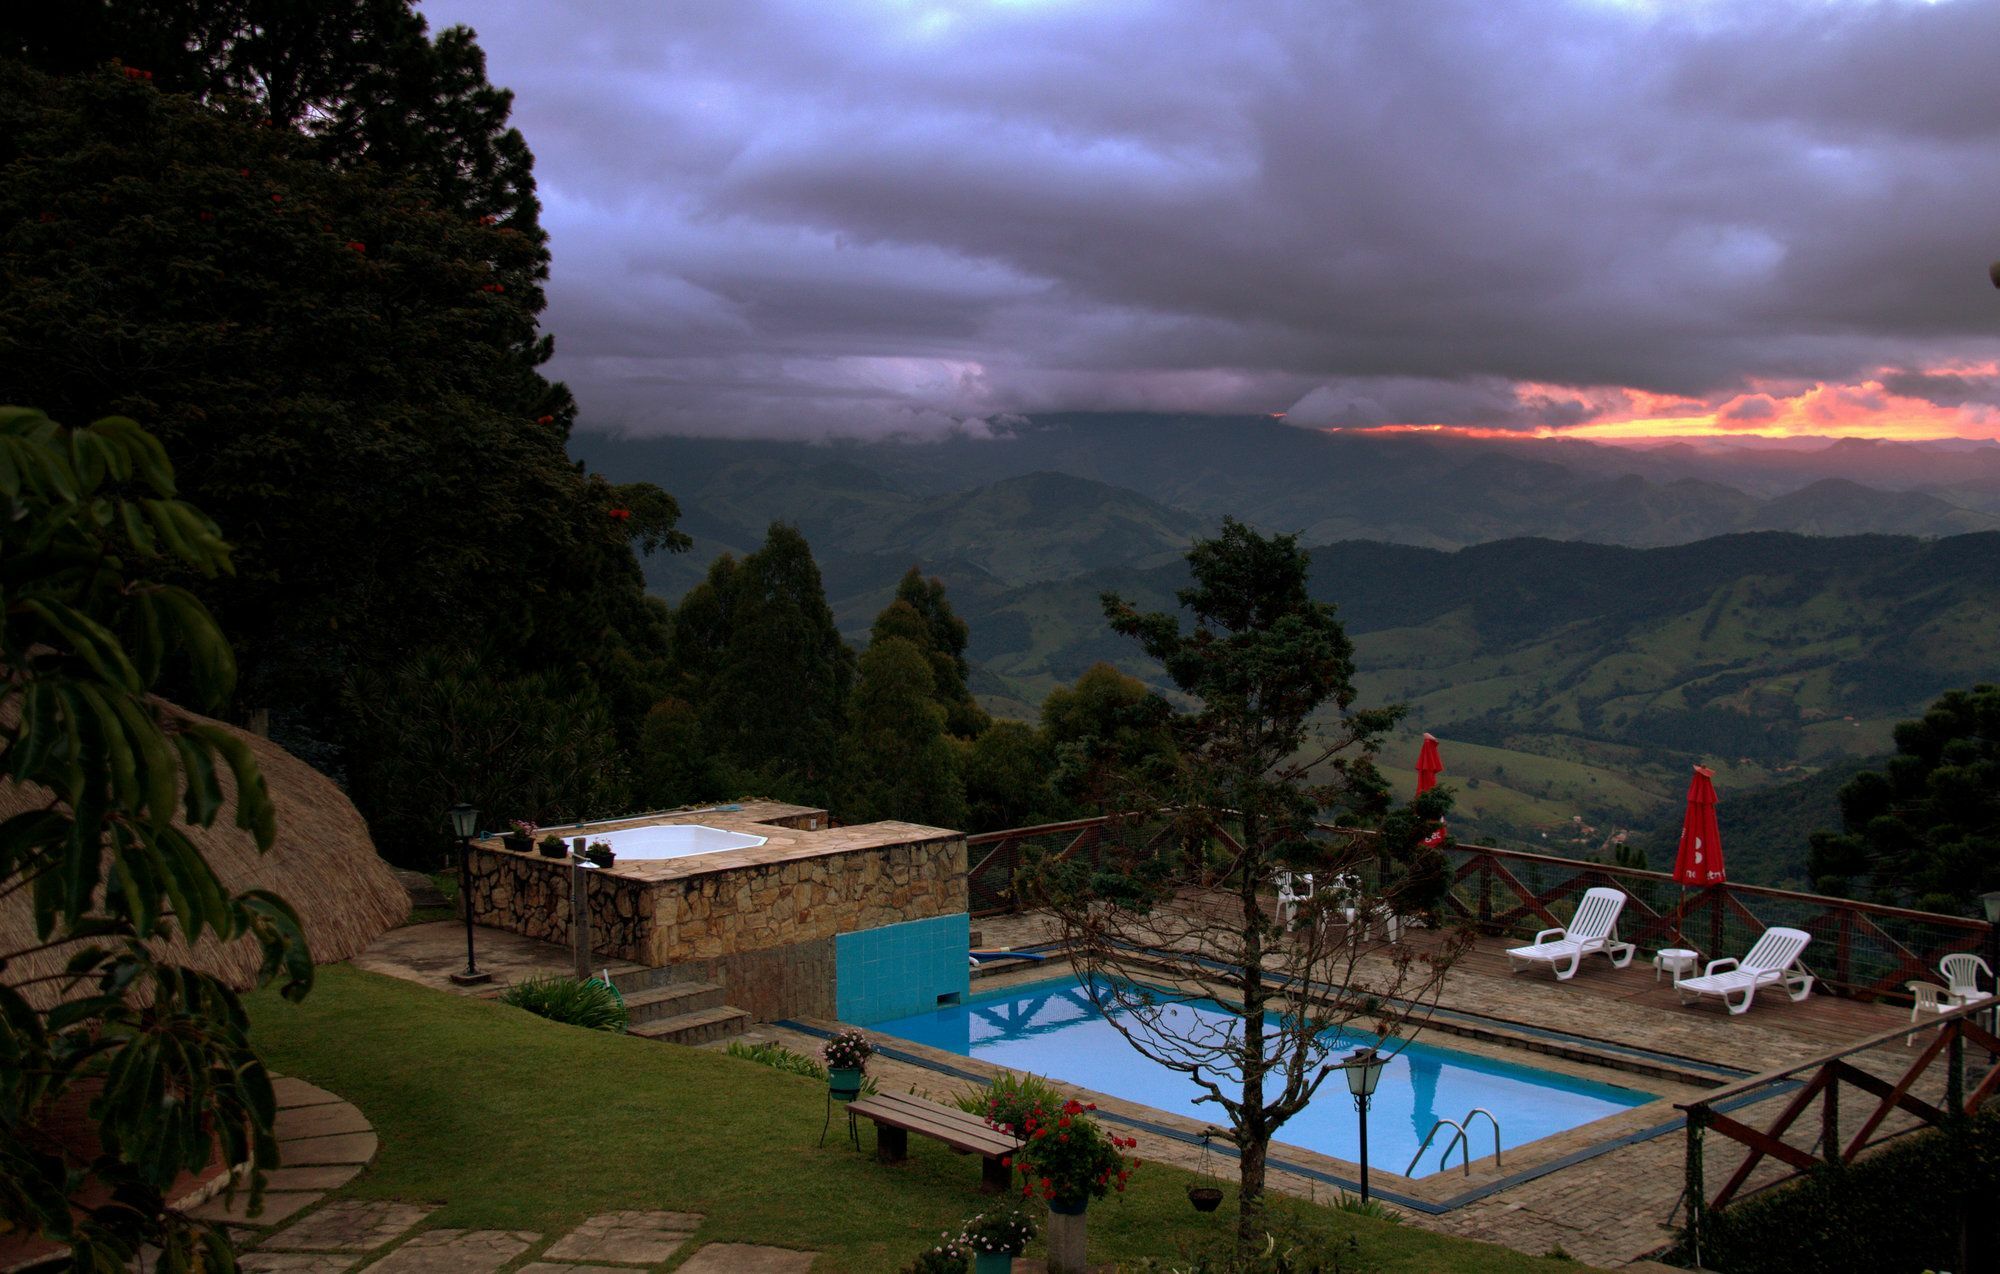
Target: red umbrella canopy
1699,860
1428,765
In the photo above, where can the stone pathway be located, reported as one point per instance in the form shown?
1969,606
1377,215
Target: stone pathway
323,1143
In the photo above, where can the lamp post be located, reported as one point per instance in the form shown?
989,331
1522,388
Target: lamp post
464,818
1364,1071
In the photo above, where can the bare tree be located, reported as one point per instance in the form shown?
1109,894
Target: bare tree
1190,914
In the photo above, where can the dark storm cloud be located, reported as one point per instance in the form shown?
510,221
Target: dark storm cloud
797,217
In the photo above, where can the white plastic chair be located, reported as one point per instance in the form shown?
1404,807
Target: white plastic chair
1593,930
1930,998
1289,898
1961,974
1769,963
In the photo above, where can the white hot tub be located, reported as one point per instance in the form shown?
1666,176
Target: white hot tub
676,840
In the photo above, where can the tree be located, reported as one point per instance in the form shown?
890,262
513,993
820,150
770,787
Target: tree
773,673
1007,779
1106,731
676,766
1243,800
88,625
896,760
536,746
1925,831
335,361
922,614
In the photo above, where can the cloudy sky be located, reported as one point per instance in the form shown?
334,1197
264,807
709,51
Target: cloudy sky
800,217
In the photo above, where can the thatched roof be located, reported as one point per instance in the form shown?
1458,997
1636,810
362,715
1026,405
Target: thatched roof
323,863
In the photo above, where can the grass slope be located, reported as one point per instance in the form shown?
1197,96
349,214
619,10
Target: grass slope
506,1121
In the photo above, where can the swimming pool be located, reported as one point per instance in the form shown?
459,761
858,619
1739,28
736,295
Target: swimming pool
1052,1029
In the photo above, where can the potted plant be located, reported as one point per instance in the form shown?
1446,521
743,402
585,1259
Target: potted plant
522,838
846,1056
943,1259
553,847
1067,1159
995,1239
600,853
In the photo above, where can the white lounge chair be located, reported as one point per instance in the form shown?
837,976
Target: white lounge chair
1771,962
1593,930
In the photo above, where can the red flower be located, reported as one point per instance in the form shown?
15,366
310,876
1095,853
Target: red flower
355,245
620,515
48,217
207,216
243,172
1045,1183
277,199
550,420
488,220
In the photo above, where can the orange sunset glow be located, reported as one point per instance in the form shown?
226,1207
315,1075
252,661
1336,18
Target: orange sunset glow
1865,409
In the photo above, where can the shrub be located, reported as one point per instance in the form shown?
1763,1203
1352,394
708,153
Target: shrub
849,1050
778,1057
1007,1100
593,1004
1007,1232
1066,1157
1894,1211
1355,1205
947,1258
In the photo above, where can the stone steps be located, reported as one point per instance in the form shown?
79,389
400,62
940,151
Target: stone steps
636,979
700,1026
672,1000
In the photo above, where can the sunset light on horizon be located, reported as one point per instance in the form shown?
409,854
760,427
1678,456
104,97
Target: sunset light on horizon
1869,409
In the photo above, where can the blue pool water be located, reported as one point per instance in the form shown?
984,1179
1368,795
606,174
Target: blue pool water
1052,1029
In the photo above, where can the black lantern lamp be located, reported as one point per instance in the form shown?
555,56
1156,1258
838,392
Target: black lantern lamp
464,820
1364,1072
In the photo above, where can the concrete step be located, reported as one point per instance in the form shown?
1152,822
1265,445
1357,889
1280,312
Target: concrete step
702,1026
631,979
671,1001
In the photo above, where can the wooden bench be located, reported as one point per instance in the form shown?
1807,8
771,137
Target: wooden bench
897,1115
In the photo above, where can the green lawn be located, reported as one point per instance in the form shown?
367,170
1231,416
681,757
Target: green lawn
506,1121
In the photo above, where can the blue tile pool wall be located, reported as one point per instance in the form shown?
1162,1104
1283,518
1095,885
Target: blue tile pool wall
901,969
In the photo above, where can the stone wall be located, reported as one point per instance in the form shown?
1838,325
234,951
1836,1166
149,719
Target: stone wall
804,899
778,982
529,894
724,913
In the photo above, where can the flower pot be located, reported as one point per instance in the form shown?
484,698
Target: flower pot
602,857
1205,1198
844,1080
518,843
555,851
992,1263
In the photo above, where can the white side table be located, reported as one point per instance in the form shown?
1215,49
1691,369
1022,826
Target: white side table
1678,961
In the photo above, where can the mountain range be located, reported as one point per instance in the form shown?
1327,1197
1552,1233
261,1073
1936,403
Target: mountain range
1579,623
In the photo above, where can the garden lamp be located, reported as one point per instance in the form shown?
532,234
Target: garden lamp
1364,1071
464,820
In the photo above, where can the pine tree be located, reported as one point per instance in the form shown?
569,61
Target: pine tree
775,704
922,614
896,760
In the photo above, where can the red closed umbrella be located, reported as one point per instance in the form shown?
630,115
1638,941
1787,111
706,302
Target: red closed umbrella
1429,766
1699,859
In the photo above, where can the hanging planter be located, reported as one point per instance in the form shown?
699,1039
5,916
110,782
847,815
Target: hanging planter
1205,1196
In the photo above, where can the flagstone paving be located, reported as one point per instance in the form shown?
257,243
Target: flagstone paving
456,1252
745,1258
292,1263
322,1141
348,1226
631,1238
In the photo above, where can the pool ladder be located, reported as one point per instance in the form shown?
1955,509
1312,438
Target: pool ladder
1459,1134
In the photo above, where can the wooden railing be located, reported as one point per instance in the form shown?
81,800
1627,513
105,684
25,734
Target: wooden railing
1860,949
1820,1081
